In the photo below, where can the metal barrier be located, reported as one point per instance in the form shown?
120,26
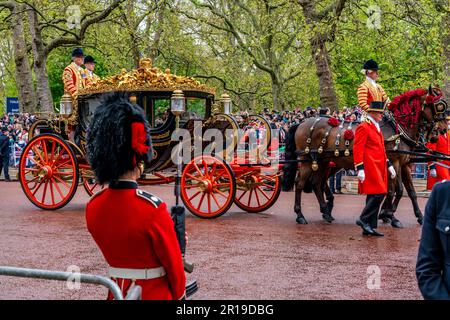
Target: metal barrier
133,294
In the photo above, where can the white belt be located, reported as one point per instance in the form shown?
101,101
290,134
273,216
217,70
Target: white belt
137,274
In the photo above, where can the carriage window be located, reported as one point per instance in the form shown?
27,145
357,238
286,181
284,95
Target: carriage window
161,111
87,109
195,109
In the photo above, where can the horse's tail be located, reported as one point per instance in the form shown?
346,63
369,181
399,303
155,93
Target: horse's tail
290,168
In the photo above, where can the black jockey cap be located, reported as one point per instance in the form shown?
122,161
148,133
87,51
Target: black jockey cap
118,138
371,65
89,59
77,52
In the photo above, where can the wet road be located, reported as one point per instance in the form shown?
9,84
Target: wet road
238,256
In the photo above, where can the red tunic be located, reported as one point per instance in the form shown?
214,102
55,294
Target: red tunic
136,233
369,154
442,145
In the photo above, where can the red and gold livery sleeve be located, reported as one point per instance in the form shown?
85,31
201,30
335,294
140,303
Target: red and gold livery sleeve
359,146
167,249
432,147
363,96
383,93
69,83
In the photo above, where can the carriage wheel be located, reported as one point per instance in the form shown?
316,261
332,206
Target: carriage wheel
257,192
208,187
48,172
90,184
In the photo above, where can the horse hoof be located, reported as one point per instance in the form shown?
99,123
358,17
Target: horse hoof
301,220
420,221
396,224
328,218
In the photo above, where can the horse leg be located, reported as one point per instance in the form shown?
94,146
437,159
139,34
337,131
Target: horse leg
303,175
387,209
409,186
398,196
317,182
330,198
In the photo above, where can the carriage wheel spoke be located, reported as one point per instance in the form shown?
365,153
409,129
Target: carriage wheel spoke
38,153
257,197
57,188
215,199
200,202
195,194
209,203
53,152
51,192
221,193
263,193
197,169
45,192
32,180
242,195
38,187
44,146
268,186
33,160
250,197
62,181
205,166
193,177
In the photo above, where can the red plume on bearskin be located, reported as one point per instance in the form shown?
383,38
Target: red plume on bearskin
333,122
349,135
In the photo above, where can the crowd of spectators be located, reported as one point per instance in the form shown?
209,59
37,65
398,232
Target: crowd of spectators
14,136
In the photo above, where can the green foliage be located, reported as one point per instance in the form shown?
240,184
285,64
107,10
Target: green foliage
190,39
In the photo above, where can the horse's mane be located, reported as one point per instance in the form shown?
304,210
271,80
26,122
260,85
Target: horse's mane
407,106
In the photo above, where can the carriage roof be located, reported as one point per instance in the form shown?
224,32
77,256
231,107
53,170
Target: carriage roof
147,78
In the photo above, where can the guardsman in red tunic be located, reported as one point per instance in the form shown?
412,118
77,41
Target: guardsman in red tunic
371,161
439,173
73,75
132,227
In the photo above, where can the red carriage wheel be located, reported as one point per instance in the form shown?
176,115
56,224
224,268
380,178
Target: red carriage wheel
257,192
90,184
48,172
208,187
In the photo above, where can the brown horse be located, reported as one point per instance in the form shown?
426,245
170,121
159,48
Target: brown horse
324,148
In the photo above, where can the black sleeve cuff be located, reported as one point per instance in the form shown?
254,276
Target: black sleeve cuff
389,163
359,166
431,167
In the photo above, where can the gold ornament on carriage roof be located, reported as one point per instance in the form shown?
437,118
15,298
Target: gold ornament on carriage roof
146,78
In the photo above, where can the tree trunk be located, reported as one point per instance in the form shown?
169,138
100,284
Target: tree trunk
276,90
323,70
24,80
158,32
446,54
44,96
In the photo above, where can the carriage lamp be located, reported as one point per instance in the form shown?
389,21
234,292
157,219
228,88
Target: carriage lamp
177,106
66,105
226,103
177,103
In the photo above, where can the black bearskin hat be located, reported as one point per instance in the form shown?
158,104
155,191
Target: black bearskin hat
371,65
118,138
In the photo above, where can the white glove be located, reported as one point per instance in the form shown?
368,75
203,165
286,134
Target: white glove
433,173
361,175
392,172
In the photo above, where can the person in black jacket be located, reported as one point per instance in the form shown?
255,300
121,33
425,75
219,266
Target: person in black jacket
433,261
4,153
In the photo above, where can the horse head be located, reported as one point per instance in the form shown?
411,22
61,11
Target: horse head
433,114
